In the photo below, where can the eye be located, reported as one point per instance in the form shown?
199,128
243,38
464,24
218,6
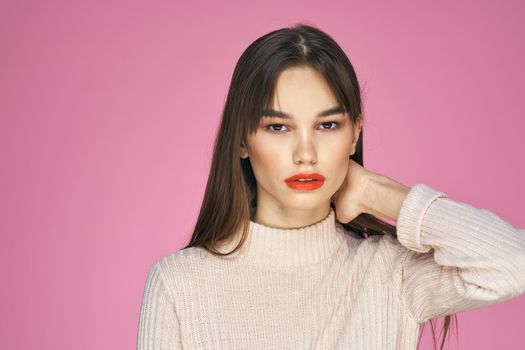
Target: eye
335,125
279,127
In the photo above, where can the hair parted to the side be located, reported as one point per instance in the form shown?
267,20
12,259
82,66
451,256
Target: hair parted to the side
231,191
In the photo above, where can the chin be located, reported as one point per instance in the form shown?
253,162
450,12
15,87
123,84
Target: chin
302,202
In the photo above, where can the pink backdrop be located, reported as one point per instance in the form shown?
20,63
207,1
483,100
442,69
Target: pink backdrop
109,110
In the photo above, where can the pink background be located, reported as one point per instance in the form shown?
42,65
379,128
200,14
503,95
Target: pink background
109,111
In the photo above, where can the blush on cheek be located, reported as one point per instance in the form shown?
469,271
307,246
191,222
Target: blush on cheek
265,159
343,167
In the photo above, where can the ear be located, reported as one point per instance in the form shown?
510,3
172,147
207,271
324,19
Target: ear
358,125
244,151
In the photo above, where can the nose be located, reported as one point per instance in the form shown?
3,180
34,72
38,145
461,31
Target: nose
305,151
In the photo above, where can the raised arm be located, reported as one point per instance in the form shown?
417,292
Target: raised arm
159,327
459,257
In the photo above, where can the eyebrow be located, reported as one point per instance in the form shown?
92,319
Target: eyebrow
278,114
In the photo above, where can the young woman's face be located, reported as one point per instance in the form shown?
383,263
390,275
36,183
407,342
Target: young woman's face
301,140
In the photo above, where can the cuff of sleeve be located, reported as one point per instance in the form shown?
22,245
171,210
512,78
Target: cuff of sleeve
411,214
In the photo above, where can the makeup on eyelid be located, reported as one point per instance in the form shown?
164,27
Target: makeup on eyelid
334,125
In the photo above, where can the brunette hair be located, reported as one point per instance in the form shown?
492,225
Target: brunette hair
231,192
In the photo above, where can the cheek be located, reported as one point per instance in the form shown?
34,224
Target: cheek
338,148
265,157
339,161
337,158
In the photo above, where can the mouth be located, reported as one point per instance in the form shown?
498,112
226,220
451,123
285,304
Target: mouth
305,182
302,177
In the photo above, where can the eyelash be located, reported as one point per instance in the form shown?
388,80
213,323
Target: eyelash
267,127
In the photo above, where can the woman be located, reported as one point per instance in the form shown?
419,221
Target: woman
289,251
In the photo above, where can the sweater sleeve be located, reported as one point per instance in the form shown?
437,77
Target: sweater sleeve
458,258
159,327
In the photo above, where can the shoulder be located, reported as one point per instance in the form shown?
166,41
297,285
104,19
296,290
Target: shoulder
183,267
384,249
380,257
187,269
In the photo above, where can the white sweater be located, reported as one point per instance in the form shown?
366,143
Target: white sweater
321,287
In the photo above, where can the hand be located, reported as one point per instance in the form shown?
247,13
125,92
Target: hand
364,191
349,198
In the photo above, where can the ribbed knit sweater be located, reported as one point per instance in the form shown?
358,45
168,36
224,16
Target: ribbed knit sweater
323,287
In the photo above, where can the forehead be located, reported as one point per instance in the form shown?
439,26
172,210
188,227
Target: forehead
301,86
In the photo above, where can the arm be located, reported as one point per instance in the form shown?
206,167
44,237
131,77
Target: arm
459,257
159,327
382,196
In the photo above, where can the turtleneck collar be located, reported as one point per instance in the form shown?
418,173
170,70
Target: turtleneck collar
289,247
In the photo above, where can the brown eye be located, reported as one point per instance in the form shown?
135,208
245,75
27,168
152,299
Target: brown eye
334,124
277,128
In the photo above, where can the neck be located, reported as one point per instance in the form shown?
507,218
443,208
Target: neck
289,218
277,247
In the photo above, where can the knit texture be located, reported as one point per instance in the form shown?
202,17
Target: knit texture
322,287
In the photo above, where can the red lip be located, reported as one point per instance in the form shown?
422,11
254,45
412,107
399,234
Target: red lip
293,182
313,176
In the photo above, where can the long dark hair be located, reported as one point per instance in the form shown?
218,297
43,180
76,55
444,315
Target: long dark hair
231,192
